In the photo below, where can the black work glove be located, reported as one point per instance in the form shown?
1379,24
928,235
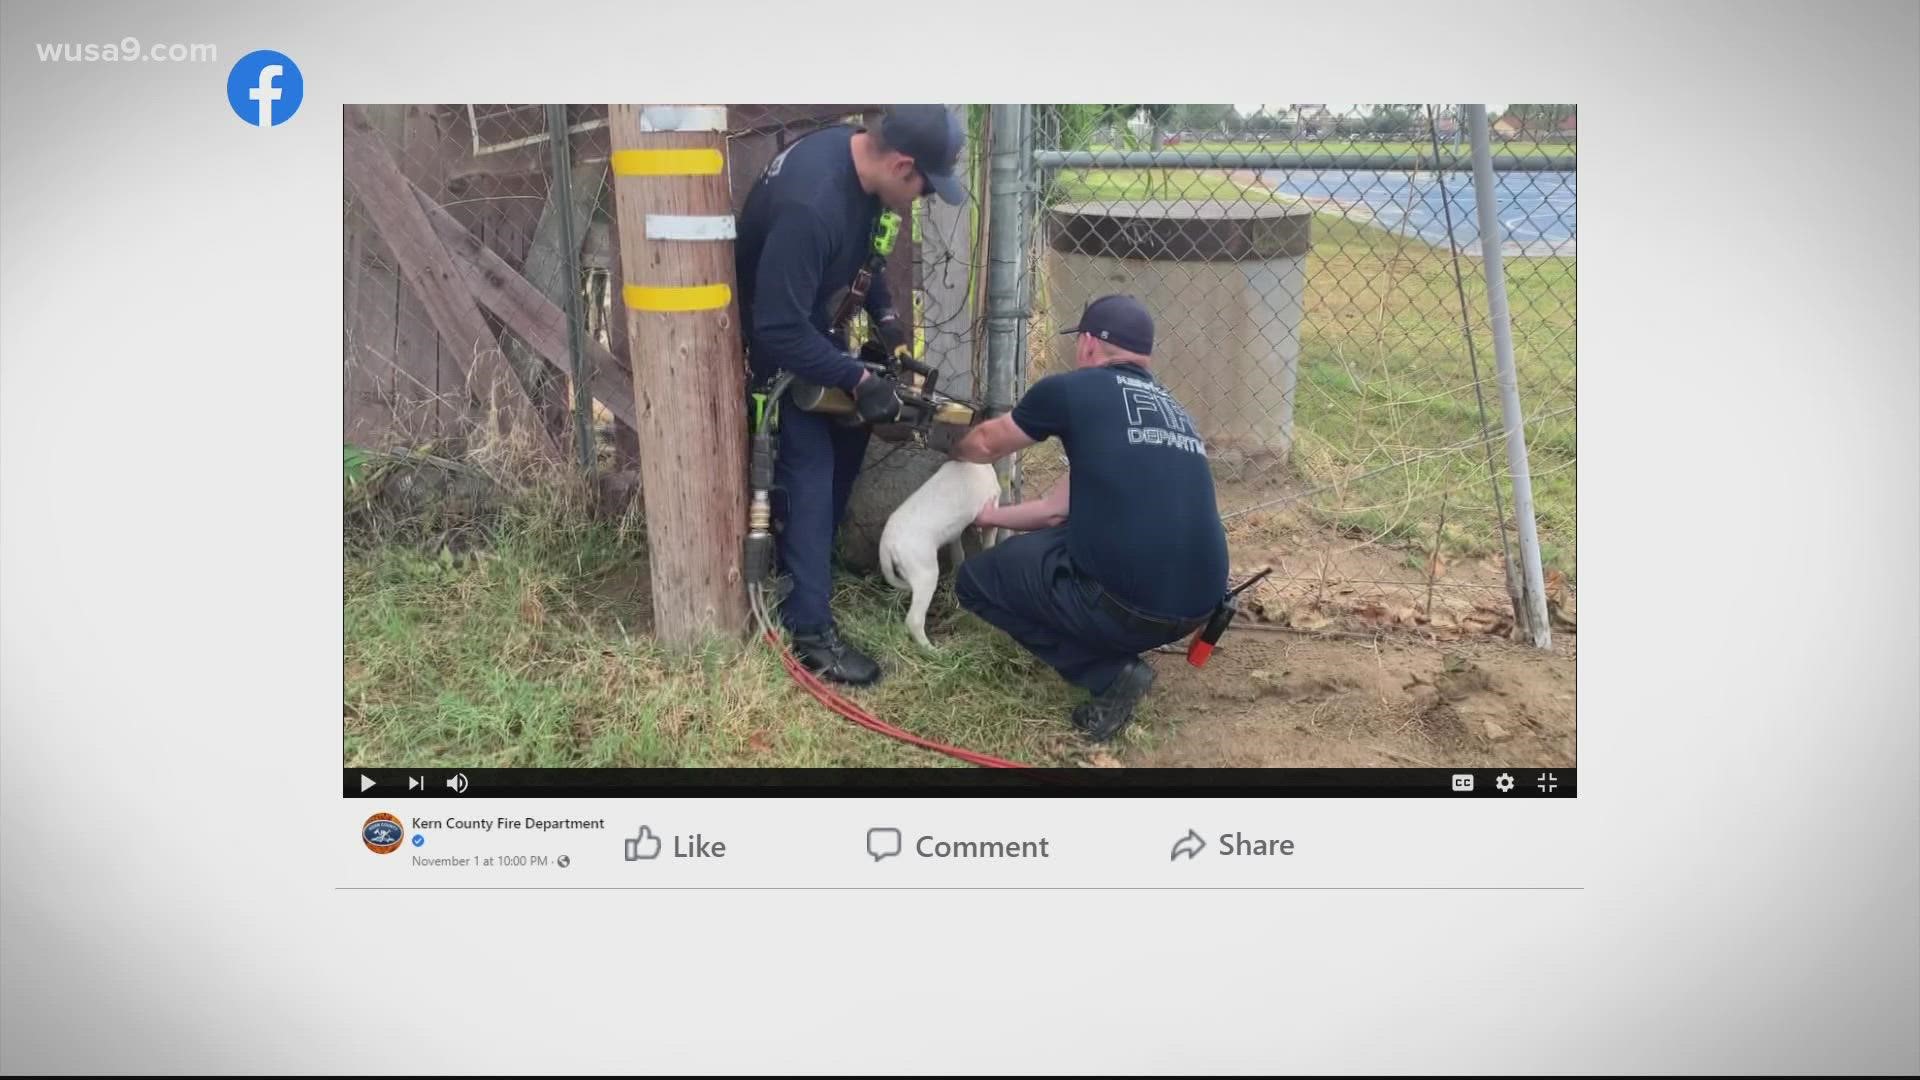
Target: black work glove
875,354
891,331
877,400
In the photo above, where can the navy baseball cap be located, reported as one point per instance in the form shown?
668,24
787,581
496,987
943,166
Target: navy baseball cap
932,136
1121,320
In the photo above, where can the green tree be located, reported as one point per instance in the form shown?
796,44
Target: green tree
1156,118
1263,122
1204,118
1540,118
1076,125
1389,120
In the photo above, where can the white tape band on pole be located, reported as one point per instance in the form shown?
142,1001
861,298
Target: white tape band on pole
690,227
683,118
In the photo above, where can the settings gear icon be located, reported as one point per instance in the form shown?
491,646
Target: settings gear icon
1504,782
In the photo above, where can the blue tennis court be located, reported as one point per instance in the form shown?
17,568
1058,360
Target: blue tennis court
1536,209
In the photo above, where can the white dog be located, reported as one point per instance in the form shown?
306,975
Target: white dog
934,515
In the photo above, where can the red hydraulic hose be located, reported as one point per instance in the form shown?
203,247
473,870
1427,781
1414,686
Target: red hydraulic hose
834,700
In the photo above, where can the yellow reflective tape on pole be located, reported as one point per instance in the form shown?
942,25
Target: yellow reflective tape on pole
677,297
694,162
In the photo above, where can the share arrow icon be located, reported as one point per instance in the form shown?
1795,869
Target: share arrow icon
1189,845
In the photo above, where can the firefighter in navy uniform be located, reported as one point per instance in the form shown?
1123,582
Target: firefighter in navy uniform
1141,559
805,233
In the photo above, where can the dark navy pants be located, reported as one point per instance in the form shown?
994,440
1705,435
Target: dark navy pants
1028,587
812,478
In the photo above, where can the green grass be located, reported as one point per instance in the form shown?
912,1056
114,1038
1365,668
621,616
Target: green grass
532,653
1097,185
1385,376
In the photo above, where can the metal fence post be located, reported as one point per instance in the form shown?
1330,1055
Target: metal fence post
562,185
1006,259
1029,217
1533,594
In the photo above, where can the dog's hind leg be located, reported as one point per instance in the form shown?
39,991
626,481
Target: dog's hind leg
888,569
925,579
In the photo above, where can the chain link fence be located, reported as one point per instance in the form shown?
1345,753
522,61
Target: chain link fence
1322,315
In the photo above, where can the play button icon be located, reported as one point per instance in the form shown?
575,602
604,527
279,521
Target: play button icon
365,782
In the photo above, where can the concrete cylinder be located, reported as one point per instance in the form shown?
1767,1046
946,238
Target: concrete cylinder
1226,285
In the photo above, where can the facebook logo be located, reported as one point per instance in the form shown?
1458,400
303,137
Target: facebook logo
264,88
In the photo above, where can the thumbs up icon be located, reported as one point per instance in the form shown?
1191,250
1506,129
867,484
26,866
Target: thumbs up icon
644,846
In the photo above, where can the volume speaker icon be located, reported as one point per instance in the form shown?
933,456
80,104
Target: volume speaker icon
458,783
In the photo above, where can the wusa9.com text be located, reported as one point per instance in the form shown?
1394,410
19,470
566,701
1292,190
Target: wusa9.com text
128,48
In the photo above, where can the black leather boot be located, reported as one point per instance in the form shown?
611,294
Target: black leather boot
826,655
1103,717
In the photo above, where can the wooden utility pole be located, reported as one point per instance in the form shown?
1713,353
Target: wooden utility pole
676,231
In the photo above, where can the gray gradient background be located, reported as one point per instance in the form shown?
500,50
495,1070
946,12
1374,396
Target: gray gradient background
169,597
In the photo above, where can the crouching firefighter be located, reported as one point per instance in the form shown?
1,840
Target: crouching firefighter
811,243
1126,552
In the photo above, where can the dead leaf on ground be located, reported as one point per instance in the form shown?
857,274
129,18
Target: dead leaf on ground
1488,620
1307,619
1100,759
1560,613
1561,616
1370,612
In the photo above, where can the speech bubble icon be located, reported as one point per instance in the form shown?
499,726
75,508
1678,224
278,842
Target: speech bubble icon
882,843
